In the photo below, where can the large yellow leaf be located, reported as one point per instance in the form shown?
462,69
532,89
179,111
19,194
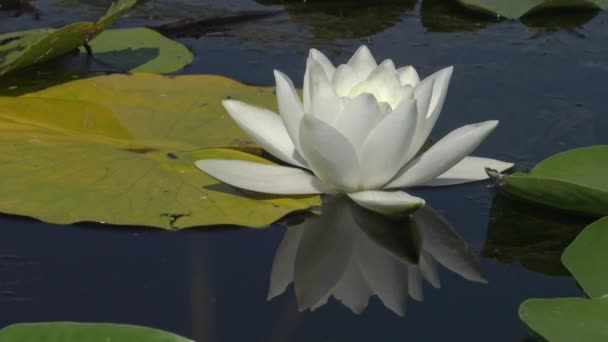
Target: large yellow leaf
120,149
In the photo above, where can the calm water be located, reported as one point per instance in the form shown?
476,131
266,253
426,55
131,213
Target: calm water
543,78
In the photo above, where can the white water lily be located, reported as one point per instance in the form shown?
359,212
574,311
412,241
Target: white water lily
359,130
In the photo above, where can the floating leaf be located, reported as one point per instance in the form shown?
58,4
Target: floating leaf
567,319
576,319
23,48
140,49
519,8
120,149
574,181
81,332
586,257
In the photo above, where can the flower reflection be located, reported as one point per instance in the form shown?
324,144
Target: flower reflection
352,253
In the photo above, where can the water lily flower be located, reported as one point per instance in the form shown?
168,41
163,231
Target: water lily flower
359,130
351,253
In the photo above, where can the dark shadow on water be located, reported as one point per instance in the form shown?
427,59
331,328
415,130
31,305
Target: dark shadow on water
334,19
530,235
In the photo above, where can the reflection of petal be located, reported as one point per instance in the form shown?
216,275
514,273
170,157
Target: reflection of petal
428,268
469,169
281,274
323,254
387,202
266,129
385,275
270,179
447,246
352,290
414,284
442,156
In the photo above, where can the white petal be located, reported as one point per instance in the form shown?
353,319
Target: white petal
469,169
388,63
329,154
359,116
266,129
382,82
324,102
281,274
344,80
327,65
387,203
352,290
290,106
362,62
408,76
328,70
430,94
414,285
323,255
270,179
382,154
442,156
384,274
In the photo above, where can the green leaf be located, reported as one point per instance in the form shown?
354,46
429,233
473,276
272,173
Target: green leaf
518,8
574,181
567,319
531,236
586,258
140,49
120,149
85,332
24,48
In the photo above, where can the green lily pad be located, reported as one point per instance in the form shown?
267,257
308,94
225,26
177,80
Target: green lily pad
81,332
576,319
120,149
518,8
24,48
567,319
140,49
574,181
586,258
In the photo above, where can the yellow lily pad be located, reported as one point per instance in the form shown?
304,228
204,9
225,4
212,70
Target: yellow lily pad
120,149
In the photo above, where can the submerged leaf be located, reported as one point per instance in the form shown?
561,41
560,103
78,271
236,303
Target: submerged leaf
140,49
89,332
574,181
120,149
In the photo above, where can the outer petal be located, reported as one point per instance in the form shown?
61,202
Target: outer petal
282,266
408,76
387,203
266,129
328,70
359,116
290,106
430,94
469,169
381,155
442,156
363,62
329,153
270,179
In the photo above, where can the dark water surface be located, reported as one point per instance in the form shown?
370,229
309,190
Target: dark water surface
543,78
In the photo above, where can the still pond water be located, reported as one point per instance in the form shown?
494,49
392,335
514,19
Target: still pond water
543,78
